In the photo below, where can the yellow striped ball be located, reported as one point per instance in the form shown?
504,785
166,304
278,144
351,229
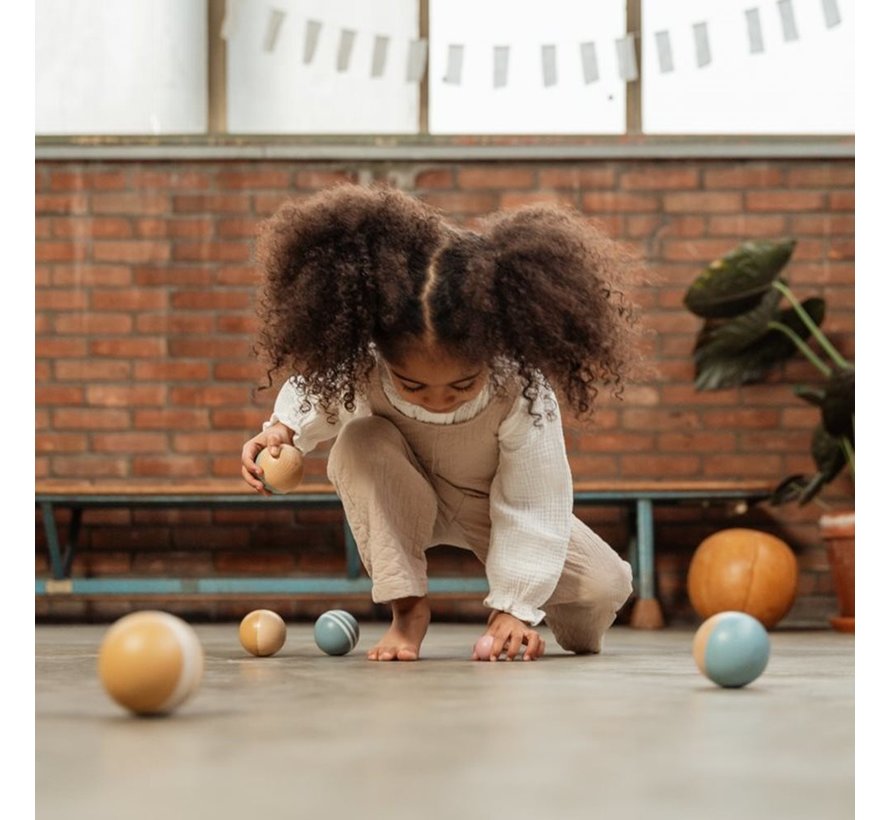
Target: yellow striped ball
150,662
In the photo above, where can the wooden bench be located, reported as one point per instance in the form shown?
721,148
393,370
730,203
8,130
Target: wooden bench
637,497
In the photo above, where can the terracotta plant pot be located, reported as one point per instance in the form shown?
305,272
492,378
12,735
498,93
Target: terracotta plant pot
839,533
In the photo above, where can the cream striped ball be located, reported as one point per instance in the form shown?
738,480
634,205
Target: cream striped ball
336,632
150,662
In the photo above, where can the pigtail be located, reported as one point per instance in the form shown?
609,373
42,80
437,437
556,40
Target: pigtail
561,311
340,271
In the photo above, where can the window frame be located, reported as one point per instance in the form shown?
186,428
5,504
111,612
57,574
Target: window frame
218,143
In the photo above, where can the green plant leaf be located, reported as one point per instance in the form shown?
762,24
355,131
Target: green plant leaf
838,406
735,283
789,490
720,359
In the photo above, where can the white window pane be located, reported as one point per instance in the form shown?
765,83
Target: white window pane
275,91
526,103
121,67
756,82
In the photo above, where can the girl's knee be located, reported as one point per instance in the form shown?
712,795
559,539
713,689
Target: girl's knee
362,442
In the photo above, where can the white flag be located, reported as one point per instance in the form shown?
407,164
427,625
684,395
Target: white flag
789,24
455,64
548,65
313,29
702,44
832,13
501,58
273,26
627,58
417,50
755,33
344,52
665,55
378,61
589,63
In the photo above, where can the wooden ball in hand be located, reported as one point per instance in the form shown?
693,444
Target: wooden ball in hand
283,474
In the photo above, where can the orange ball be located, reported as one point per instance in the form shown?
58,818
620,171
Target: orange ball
744,571
150,662
283,474
262,632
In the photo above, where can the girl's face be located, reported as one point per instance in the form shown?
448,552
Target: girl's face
436,382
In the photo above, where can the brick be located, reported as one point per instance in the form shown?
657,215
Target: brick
128,348
173,323
88,275
661,418
212,396
747,175
254,178
842,201
170,371
254,562
658,466
82,228
438,178
207,442
129,442
59,299
90,370
266,204
746,226
169,466
132,251
607,201
758,465
784,201
643,225
65,395
190,179
210,348
238,275
58,251
216,251
235,371
137,299
824,175
126,395
694,250
742,418
77,203
514,199
179,275
211,203
97,466
828,224
577,178
245,323
51,442
702,202
229,418
651,178
57,347
695,442
237,227
322,178
486,177
92,323
686,395
90,418
137,539
616,443
673,322
137,203
169,419
210,300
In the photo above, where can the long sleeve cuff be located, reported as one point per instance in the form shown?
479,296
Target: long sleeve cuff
517,609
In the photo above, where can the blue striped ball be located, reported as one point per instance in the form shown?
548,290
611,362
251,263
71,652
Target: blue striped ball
336,632
731,649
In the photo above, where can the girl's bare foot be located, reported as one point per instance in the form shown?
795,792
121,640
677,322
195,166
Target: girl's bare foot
410,620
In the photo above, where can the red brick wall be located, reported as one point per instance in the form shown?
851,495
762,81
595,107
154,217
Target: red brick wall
145,320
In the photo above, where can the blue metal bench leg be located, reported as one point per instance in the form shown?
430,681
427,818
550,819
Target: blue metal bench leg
646,612
52,541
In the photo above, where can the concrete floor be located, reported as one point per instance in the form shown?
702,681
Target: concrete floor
633,733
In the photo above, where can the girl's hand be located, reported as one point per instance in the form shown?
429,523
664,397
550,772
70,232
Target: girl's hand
272,437
509,634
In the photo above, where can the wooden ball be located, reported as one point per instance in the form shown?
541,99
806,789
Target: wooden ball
262,632
281,475
731,649
743,570
150,662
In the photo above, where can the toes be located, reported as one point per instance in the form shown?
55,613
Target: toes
406,654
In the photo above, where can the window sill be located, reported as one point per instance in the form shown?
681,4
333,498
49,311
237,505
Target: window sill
417,148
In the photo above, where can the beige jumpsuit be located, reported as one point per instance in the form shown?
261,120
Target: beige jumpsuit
407,485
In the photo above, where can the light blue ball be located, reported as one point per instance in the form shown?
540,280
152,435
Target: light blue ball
336,632
731,649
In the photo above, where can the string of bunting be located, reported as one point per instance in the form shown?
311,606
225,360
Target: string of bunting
625,47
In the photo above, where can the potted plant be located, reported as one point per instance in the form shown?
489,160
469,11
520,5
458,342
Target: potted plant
753,323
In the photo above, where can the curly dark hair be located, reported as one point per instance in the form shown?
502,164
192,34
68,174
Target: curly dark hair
536,292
